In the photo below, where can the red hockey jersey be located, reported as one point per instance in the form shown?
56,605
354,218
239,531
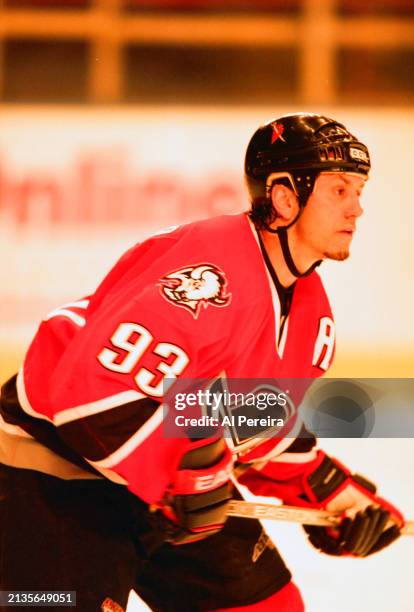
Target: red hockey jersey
195,301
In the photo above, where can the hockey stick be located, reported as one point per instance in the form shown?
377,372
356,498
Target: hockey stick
305,516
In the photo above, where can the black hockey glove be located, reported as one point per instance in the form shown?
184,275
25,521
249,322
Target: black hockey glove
370,523
360,536
196,502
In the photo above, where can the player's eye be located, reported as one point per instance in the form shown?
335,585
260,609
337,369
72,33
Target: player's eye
340,191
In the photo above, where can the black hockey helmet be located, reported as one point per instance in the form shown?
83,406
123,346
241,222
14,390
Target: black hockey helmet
295,149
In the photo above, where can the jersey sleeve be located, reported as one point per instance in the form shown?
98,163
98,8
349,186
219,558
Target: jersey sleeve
105,370
123,370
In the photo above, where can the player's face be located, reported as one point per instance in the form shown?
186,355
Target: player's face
328,222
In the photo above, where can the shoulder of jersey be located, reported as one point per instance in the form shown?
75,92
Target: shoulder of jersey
223,224
220,256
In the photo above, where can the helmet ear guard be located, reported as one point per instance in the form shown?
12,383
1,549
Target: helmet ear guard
275,177
301,183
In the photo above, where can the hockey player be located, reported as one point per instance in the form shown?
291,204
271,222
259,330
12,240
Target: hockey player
95,498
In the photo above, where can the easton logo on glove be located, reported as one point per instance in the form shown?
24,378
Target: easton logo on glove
196,501
192,481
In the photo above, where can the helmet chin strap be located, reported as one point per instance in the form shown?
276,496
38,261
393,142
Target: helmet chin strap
282,231
287,255
284,243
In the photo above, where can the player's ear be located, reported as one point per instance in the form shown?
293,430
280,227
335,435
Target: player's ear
285,203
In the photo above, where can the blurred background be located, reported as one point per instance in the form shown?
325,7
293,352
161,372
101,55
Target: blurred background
119,118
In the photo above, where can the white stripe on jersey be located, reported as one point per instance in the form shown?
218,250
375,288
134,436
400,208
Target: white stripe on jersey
106,403
62,311
280,342
77,412
23,399
130,445
82,304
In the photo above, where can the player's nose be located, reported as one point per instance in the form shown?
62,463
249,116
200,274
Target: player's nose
354,209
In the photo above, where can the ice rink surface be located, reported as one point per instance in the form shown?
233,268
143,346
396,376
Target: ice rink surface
381,583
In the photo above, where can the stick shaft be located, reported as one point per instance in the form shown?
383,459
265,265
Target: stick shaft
305,516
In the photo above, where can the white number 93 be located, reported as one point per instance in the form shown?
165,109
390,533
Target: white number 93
135,340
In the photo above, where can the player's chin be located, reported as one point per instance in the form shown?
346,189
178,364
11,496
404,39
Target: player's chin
337,255
339,249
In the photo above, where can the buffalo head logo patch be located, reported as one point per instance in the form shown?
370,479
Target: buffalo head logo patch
196,287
